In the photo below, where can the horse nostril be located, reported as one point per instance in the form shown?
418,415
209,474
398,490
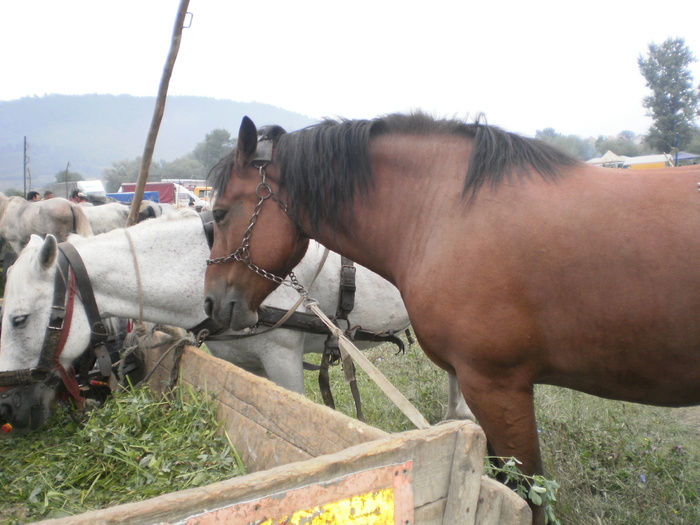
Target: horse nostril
208,307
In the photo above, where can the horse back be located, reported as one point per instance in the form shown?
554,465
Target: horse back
593,281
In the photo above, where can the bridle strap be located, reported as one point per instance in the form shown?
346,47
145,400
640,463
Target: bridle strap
98,331
59,323
50,350
69,379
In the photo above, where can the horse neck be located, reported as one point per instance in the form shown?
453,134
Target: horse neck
167,259
397,202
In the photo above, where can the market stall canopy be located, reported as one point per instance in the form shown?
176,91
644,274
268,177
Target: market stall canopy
609,160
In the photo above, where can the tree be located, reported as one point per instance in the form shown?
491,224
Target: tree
673,103
127,171
571,144
621,145
216,145
68,176
186,167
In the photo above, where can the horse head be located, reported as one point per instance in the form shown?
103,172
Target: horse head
36,343
256,241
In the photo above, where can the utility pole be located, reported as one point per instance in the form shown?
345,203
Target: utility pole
66,181
25,166
676,164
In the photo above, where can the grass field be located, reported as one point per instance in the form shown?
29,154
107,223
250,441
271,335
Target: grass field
616,463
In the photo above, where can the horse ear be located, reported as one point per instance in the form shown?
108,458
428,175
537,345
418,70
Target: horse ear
48,252
247,140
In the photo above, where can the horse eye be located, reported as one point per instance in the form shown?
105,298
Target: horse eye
219,215
19,321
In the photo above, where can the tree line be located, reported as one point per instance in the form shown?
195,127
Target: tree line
673,105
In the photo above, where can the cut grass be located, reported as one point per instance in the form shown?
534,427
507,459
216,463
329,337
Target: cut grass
137,446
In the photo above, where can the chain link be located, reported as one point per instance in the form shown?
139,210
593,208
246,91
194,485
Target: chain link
242,254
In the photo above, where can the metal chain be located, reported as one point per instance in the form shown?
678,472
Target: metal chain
242,253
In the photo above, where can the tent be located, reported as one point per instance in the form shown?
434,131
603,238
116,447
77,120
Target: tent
609,160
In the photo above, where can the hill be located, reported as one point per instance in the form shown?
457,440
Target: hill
93,131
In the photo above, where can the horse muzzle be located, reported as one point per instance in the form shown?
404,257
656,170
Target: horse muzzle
231,310
25,408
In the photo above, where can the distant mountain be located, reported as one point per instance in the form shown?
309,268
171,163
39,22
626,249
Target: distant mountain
93,131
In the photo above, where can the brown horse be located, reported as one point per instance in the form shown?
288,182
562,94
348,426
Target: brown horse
517,264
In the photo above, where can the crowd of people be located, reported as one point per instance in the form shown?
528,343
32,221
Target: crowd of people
76,196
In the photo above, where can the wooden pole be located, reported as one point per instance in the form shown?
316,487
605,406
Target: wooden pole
157,113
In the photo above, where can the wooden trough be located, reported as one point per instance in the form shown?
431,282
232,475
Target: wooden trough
310,464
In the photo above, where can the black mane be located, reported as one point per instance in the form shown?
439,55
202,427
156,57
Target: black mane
326,166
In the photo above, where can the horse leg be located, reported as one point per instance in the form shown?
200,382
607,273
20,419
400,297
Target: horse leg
506,412
457,407
283,360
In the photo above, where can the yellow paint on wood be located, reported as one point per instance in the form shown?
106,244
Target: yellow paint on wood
372,508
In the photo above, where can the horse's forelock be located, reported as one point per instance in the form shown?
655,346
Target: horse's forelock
220,174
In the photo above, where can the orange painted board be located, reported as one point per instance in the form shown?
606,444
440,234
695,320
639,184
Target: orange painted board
379,496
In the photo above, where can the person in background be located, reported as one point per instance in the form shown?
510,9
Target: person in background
82,199
48,194
33,196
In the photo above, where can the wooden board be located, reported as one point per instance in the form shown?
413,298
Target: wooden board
268,425
296,449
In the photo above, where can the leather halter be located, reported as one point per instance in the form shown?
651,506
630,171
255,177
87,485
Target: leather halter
71,279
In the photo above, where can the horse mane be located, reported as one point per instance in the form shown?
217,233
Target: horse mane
326,166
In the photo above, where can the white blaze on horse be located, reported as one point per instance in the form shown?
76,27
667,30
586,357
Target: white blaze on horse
19,219
170,253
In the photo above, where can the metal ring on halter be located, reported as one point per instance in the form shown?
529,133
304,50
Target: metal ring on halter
267,187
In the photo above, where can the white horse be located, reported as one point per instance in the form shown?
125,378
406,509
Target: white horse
170,253
113,215
19,219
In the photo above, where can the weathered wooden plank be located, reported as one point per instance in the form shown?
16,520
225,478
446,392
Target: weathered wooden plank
308,444
467,468
499,504
393,450
267,424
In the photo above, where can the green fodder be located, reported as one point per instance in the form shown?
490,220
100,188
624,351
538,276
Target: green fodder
616,463
136,446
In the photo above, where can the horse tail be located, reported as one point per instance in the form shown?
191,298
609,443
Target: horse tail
81,224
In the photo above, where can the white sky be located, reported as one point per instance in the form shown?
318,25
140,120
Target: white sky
526,65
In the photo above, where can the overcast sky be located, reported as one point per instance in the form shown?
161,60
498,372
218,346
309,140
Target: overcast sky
527,65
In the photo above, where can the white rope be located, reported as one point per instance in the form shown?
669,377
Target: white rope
346,347
138,273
